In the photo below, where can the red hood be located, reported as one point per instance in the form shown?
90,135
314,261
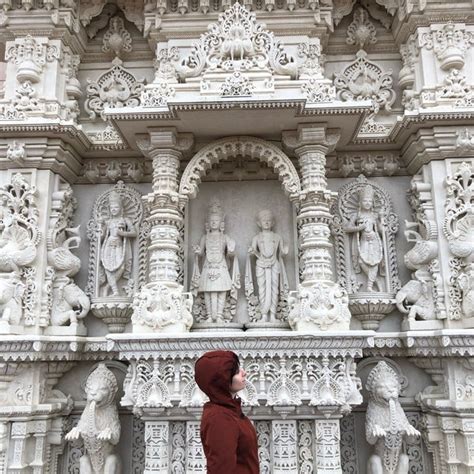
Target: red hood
213,374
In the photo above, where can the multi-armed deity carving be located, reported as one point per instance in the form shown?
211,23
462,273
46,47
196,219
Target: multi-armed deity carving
69,304
387,427
459,231
118,238
19,238
215,281
99,425
364,228
421,299
268,249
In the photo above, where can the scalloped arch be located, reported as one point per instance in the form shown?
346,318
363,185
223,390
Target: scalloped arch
226,148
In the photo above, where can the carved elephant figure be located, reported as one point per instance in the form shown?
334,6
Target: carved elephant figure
70,304
416,299
11,294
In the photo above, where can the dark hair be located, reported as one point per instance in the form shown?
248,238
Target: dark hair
235,369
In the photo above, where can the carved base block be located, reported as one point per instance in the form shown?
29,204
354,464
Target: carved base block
319,306
468,323
371,308
72,330
114,311
276,326
6,328
220,327
413,325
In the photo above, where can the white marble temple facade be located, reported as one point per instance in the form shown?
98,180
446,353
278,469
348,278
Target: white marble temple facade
123,122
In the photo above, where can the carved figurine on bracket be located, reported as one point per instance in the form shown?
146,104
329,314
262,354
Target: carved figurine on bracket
364,226
118,254
269,249
214,281
387,426
69,304
99,425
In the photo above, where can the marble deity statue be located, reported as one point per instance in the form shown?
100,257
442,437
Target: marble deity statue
214,281
269,249
99,425
117,232
387,426
367,247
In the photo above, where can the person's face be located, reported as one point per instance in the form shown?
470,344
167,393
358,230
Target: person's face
367,204
214,222
238,381
266,221
115,208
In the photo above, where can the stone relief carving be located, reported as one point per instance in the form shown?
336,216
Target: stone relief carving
269,304
117,265
237,85
365,80
70,64
99,425
387,426
19,239
364,227
16,152
117,39
459,231
465,141
115,88
69,304
361,31
368,163
215,281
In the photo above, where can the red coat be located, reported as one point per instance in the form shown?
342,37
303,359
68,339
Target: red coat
227,435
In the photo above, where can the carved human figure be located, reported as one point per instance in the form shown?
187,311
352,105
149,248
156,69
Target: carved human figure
386,423
99,425
269,250
116,247
215,281
367,243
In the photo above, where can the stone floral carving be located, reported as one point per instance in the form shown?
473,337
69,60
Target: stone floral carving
16,152
313,59
365,80
459,230
455,86
118,255
365,227
99,425
19,238
117,38
215,281
318,91
69,304
268,249
387,426
465,140
237,85
237,42
115,88
361,31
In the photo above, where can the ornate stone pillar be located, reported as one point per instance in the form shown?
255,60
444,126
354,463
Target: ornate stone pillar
320,303
162,305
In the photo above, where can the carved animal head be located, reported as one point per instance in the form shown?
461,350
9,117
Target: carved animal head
101,386
382,383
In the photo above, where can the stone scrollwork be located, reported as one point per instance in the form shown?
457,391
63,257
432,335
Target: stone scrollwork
117,38
361,31
365,80
19,239
364,227
69,304
387,426
117,265
99,425
459,231
115,88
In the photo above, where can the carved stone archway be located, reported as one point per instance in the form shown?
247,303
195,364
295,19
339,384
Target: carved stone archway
226,148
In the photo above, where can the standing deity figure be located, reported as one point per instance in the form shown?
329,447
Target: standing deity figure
386,423
116,248
269,249
367,243
215,281
99,425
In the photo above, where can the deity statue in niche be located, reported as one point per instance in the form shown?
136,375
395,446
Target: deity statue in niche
116,255
387,426
269,249
215,281
367,248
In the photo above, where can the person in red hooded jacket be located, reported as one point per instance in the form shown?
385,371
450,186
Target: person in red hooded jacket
228,437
